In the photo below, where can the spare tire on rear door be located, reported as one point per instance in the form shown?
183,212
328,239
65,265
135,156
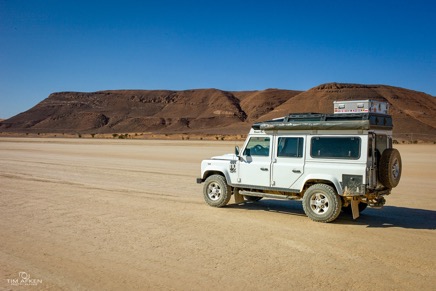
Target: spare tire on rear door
389,172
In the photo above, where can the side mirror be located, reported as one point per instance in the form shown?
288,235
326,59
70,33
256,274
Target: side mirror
236,150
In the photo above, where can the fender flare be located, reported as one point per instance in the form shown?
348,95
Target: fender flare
208,171
324,177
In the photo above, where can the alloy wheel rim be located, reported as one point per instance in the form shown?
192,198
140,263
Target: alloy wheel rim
214,191
395,169
319,203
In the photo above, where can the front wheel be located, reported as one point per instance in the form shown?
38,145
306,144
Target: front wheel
321,203
216,191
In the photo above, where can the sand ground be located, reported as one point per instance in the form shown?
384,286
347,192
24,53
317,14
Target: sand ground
80,214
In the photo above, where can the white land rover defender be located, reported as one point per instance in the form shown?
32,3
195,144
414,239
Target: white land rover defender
333,162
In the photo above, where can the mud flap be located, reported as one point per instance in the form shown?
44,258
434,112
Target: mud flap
355,207
238,197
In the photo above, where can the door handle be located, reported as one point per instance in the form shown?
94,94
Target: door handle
296,171
264,169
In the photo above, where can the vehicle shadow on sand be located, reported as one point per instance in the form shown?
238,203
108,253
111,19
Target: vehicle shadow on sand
394,216
388,216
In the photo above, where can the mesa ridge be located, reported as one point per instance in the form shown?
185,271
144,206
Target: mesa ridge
211,111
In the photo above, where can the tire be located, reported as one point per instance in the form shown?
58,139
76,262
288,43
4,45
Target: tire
321,203
252,198
216,191
390,167
347,209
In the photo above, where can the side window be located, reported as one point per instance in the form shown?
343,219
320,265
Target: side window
290,147
258,146
335,147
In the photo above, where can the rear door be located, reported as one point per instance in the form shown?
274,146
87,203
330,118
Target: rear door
288,161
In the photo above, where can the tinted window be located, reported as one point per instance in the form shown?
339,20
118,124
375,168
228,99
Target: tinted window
258,146
335,147
290,147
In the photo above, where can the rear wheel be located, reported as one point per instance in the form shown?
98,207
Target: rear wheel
321,203
216,191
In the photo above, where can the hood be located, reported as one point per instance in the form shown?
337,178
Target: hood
227,157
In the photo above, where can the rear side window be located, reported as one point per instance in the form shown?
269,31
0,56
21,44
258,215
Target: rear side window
335,148
290,147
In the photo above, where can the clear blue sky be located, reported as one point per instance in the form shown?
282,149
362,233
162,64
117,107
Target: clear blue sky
74,45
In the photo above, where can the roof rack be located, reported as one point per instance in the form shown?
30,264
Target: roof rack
301,121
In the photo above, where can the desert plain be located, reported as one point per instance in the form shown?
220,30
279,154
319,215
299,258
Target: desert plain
88,214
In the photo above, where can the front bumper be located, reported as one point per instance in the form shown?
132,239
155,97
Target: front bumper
200,180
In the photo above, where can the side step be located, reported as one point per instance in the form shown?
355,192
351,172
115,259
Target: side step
267,195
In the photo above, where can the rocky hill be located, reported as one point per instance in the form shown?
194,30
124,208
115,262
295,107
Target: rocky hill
414,113
211,111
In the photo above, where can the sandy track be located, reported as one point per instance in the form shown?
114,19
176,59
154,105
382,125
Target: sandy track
119,214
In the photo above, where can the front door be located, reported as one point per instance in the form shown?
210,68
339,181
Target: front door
255,165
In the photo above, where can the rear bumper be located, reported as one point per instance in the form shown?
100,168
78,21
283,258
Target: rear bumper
200,180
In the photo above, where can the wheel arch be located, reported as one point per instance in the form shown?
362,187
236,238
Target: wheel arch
328,180
211,172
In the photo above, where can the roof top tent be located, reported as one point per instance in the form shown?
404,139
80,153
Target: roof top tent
360,106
